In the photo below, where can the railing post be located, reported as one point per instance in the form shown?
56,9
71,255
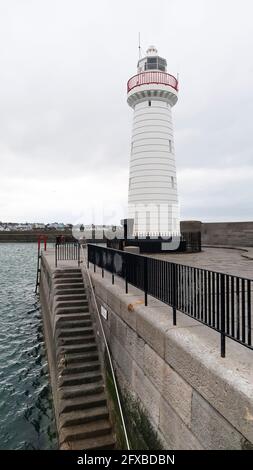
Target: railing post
113,268
38,269
174,292
56,255
249,310
126,272
103,263
88,256
146,280
223,336
78,254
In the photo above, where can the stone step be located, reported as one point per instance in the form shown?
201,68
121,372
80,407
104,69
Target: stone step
83,390
67,270
70,291
76,358
78,368
83,416
67,332
98,443
72,340
66,275
83,403
69,323
72,316
68,280
78,379
99,427
74,297
83,410
63,310
71,303
79,360
78,348
75,316
68,286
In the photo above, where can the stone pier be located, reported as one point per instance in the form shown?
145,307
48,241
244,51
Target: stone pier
178,392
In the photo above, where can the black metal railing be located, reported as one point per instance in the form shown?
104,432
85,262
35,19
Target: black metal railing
189,242
220,301
67,251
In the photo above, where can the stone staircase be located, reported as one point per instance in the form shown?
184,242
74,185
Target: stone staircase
83,415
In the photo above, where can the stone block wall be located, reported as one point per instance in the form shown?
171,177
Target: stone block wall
227,233
191,398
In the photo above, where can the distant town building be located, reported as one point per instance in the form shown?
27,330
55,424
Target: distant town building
56,226
38,226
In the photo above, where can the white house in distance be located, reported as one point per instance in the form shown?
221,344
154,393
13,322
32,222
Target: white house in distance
152,195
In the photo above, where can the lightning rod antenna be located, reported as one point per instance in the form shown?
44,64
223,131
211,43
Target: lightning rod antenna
139,47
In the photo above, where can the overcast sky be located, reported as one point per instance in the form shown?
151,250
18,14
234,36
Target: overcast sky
65,126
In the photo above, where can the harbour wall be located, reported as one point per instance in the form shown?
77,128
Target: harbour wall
31,236
47,303
213,233
178,392
227,233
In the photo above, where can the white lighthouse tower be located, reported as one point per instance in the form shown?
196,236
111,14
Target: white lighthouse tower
152,196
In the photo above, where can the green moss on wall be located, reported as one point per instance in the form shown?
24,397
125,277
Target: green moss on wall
246,445
141,433
114,406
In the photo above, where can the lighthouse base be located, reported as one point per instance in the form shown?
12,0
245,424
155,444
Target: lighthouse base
186,244
188,241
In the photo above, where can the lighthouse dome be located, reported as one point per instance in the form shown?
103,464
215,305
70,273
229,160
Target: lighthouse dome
152,51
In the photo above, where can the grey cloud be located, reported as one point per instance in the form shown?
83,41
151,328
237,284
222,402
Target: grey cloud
63,112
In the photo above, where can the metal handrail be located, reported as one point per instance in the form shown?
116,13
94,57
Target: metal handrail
66,251
85,264
220,301
41,238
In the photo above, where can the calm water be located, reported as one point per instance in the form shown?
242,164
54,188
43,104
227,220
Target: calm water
26,409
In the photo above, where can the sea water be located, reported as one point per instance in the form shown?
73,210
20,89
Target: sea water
26,408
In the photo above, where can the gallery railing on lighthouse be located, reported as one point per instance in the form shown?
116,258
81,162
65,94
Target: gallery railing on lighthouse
220,301
148,78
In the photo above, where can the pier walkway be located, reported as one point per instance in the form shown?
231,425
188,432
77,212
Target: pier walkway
219,391
237,261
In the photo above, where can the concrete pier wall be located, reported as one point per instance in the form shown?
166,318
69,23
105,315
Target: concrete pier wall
227,233
190,396
47,300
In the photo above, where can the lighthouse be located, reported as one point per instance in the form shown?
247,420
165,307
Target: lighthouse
152,193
